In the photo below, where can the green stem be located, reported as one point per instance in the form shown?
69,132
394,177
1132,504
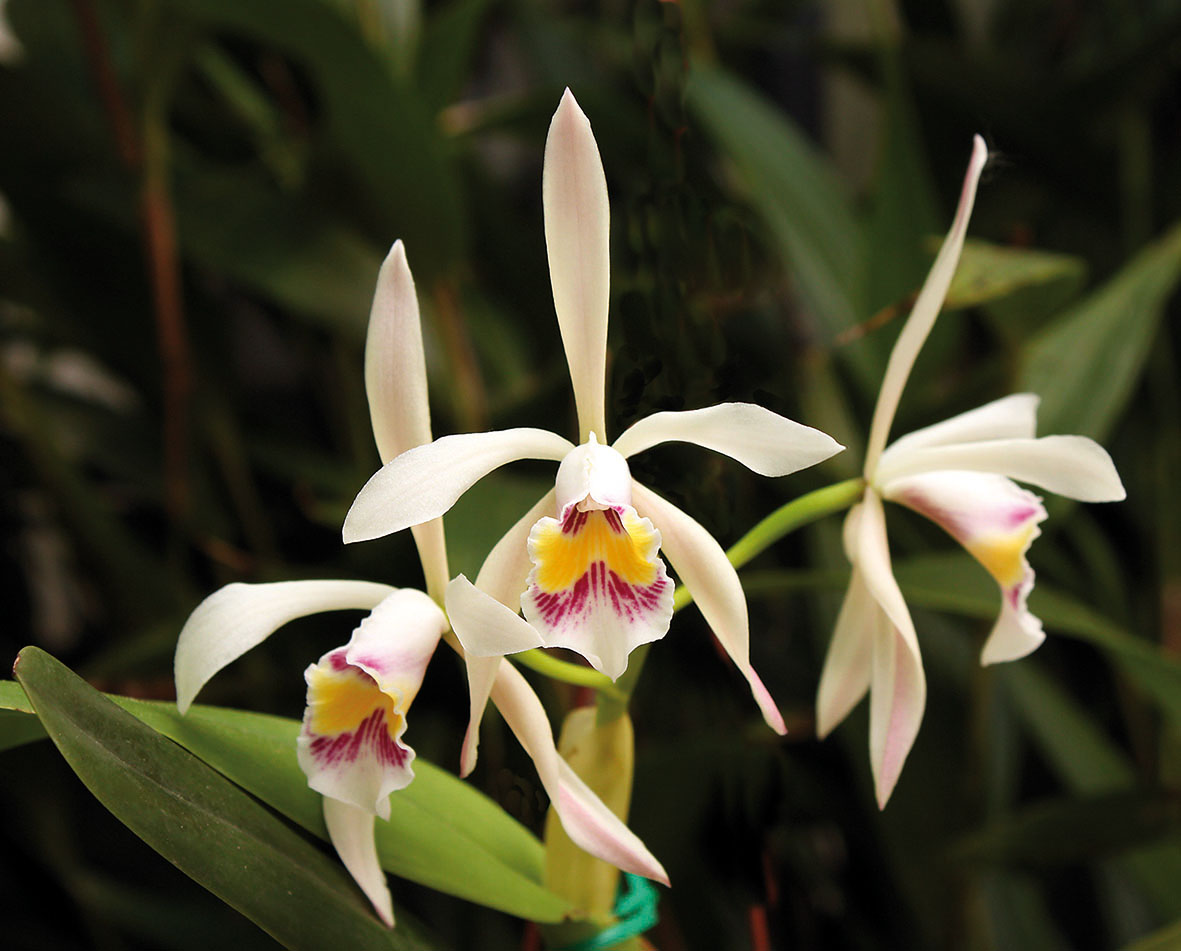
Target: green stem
783,521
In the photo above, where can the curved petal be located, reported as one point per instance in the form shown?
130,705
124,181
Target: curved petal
484,626
351,832
590,824
394,644
704,569
598,586
577,232
898,686
1074,466
505,571
845,678
481,673
922,316
766,442
423,483
1010,417
996,521
240,616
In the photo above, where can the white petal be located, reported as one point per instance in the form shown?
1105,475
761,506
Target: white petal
1016,634
766,442
423,483
577,232
394,644
898,687
505,571
1074,466
704,569
481,673
845,677
926,309
240,616
484,626
395,367
1011,417
351,832
589,823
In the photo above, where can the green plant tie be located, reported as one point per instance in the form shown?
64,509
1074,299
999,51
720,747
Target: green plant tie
636,910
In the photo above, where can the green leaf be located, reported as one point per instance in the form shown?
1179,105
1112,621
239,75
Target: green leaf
442,832
793,187
989,272
448,41
1086,363
200,822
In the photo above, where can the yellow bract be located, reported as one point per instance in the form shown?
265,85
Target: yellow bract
564,558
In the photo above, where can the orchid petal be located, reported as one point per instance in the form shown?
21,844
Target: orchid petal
351,832
761,440
239,616
484,626
898,687
593,476
577,232
481,674
704,569
598,586
350,744
423,483
1011,417
926,309
845,678
1073,466
996,521
587,821
505,571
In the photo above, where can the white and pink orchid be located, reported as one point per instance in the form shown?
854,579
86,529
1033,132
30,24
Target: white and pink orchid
583,564
958,474
350,745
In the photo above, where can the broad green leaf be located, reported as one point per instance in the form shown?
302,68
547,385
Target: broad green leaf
989,272
442,832
791,185
18,728
956,583
203,824
1086,363
1166,939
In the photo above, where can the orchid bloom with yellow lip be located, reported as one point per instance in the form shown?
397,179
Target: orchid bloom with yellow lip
583,564
958,474
350,745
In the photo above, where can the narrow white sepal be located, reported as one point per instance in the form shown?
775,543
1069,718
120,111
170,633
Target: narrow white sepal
589,823
577,239
1010,417
351,831
845,678
481,674
505,571
239,616
424,482
767,443
704,569
1073,466
926,309
484,626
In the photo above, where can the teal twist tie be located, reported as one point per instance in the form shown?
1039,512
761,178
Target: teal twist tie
636,910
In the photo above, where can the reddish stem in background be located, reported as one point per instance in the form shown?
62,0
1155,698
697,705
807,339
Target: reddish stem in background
158,224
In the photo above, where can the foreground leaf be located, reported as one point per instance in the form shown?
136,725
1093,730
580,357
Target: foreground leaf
442,832
203,824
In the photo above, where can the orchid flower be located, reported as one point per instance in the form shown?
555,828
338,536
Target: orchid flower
583,564
958,473
350,745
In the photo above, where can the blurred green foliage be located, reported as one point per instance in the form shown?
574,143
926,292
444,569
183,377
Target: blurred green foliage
196,197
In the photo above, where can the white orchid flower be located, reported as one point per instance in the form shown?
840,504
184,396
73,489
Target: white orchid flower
350,745
958,474
583,565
